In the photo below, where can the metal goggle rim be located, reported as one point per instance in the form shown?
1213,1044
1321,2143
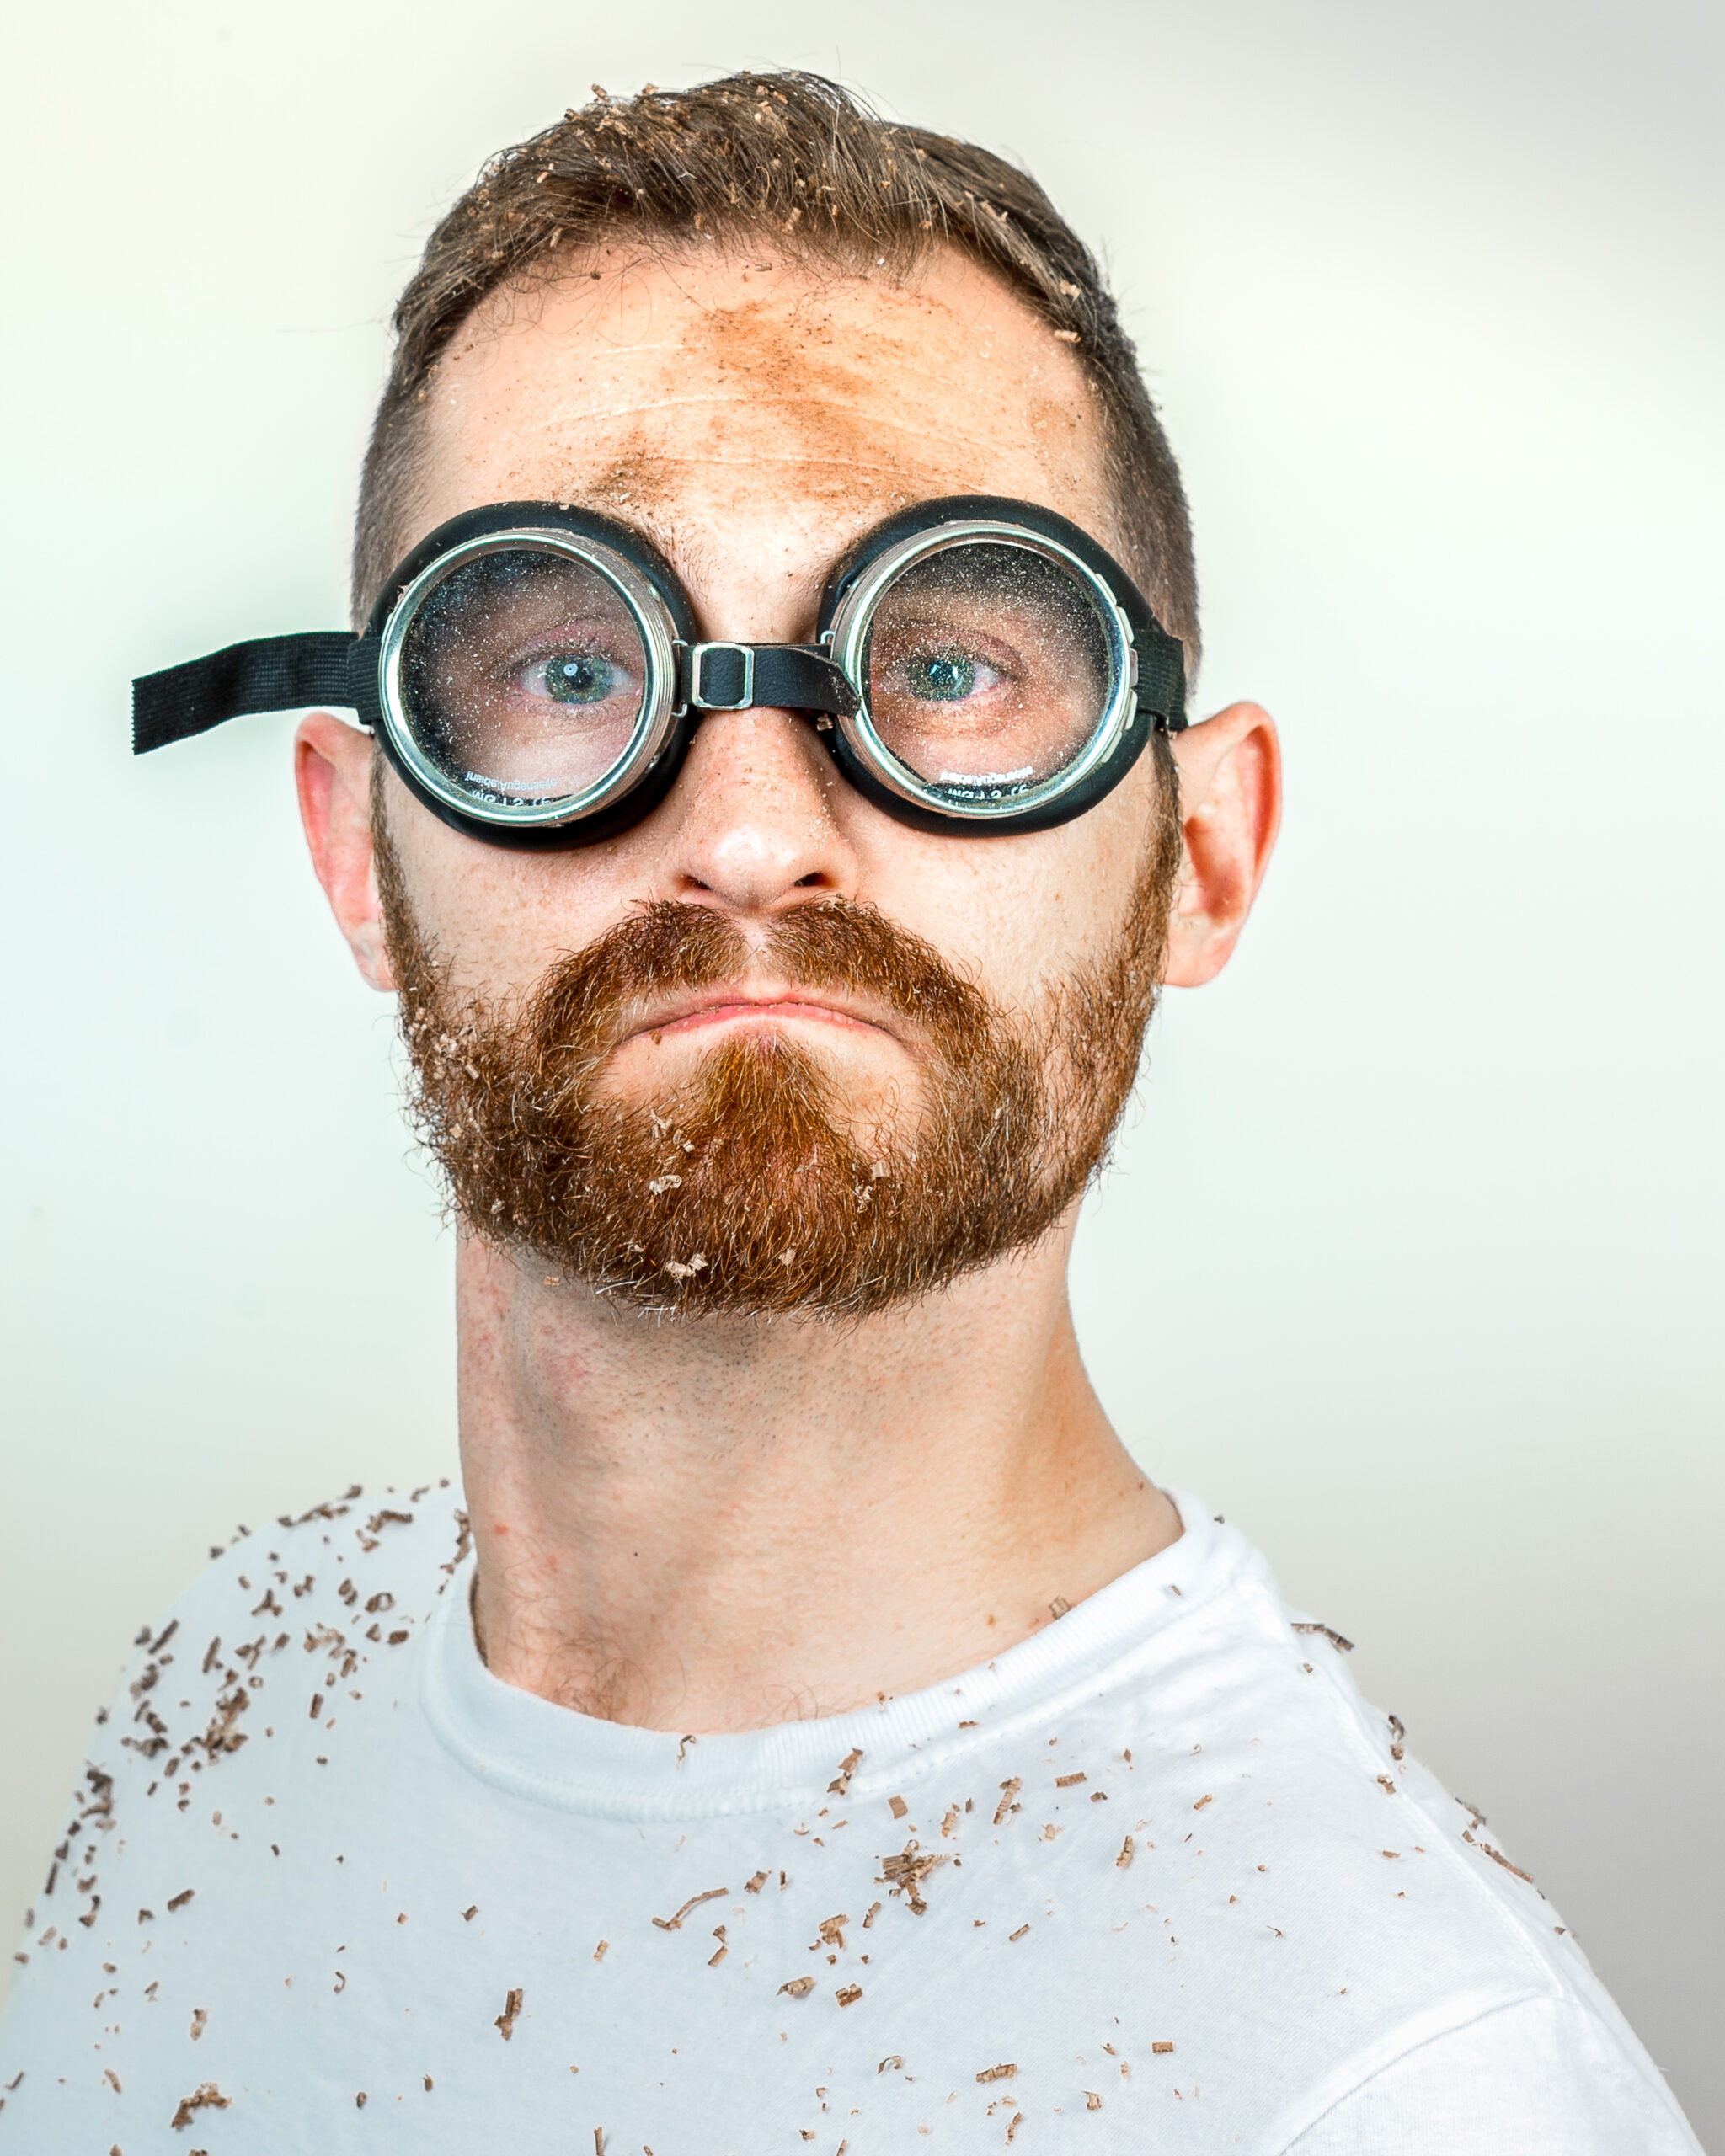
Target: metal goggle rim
652,722
848,638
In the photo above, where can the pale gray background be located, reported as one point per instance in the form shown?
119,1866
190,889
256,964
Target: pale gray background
1412,1263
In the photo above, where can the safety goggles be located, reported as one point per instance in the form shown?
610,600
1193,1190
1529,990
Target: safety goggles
535,674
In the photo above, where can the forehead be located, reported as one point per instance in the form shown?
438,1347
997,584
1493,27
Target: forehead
746,396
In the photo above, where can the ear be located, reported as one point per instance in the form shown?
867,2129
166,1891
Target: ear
1231,806
332,769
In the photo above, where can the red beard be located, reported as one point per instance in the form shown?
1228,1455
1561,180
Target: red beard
745,1189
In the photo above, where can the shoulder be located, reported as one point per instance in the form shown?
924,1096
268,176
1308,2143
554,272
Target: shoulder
356,1575
1396,1919
345,1583
228,1703
1275,1706
1522,2080
359,1572
1368,1816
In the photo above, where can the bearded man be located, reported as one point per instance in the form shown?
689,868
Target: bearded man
774,804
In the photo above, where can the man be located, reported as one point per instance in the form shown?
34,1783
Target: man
775,807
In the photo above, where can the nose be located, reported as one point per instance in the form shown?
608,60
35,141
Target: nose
755,830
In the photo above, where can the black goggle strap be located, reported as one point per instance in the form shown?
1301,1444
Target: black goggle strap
270,674
1159,677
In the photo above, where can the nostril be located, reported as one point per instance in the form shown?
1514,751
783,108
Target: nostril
813,876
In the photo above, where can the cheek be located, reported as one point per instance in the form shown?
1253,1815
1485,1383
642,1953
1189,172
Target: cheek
501,917
1012,914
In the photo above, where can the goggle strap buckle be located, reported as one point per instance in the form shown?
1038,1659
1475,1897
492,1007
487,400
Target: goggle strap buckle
762,677
721,676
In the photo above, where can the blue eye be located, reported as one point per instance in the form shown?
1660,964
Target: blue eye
941,677
579,678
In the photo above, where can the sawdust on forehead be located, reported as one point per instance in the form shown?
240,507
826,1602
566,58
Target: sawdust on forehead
667,390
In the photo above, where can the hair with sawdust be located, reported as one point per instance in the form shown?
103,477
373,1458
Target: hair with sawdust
797,160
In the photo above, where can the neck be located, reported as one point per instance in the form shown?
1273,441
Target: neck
720,1524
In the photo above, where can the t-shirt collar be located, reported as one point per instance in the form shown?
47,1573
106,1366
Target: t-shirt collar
555,1756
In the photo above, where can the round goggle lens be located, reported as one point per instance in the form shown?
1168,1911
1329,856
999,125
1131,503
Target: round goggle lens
522,675
988,669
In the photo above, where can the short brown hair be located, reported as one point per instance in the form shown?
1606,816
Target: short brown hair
798,158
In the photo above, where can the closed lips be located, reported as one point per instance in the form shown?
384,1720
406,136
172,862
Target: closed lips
722,1006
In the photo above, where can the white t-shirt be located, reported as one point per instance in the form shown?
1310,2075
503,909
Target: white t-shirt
1155,1879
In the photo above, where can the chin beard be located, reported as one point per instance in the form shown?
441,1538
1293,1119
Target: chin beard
748,1188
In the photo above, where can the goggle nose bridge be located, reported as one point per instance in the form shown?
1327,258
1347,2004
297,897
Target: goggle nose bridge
799,677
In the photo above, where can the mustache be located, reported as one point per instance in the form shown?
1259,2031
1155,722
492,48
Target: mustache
581,1007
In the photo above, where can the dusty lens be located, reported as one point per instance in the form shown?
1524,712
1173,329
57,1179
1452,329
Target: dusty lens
988,671
522,675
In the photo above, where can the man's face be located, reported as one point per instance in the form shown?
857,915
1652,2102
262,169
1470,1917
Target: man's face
754,419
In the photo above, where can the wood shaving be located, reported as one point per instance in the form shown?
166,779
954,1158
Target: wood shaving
206,2096
1496,1855
694,1902
905,1872
1329,1632
840,1784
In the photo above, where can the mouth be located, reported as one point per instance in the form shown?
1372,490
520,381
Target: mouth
755,1005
